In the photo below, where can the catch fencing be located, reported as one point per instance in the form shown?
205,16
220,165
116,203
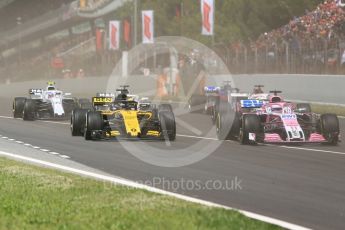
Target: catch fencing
310,56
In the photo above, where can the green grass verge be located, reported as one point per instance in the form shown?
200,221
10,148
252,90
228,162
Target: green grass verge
321,109
39,198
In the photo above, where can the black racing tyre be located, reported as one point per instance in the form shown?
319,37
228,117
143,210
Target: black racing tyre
196,103
165,107
168,125
29,110
155,114
235,127
94,121
250,124
223,126
224,107
225,121
78,119
329,124
214,111
18,107
213,115
303,108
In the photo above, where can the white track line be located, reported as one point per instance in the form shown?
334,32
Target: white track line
44,150
54,122
6,117
36,147
64,156
132,184
286,147
197,137
312,150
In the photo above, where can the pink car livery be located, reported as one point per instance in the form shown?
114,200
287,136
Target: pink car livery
278,121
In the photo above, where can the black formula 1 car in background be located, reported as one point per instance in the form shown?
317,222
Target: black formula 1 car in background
210,101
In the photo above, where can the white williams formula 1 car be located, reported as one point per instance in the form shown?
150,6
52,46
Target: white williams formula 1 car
44,104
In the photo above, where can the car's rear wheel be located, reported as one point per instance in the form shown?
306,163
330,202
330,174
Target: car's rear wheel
78,119
222,127
225,121
29,110
329,124
196,103
214,112
18,107
94,122
213,115
168,125
250,124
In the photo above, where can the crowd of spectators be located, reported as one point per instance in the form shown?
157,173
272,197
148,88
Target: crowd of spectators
326,21
312,43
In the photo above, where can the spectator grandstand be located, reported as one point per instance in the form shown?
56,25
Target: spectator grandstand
324,22
312,43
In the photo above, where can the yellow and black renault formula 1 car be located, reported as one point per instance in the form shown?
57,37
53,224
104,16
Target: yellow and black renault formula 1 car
124,116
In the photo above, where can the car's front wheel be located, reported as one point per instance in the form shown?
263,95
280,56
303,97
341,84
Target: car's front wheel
78,117
250,125
18,107
168,125
329,124
94,122
29,110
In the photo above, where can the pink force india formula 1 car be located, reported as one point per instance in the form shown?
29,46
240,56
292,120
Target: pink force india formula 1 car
276,121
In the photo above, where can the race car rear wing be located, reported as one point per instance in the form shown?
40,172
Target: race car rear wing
105,95
35,91
102,100
211,89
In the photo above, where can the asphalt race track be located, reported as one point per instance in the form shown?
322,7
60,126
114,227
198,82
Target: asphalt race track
304,185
